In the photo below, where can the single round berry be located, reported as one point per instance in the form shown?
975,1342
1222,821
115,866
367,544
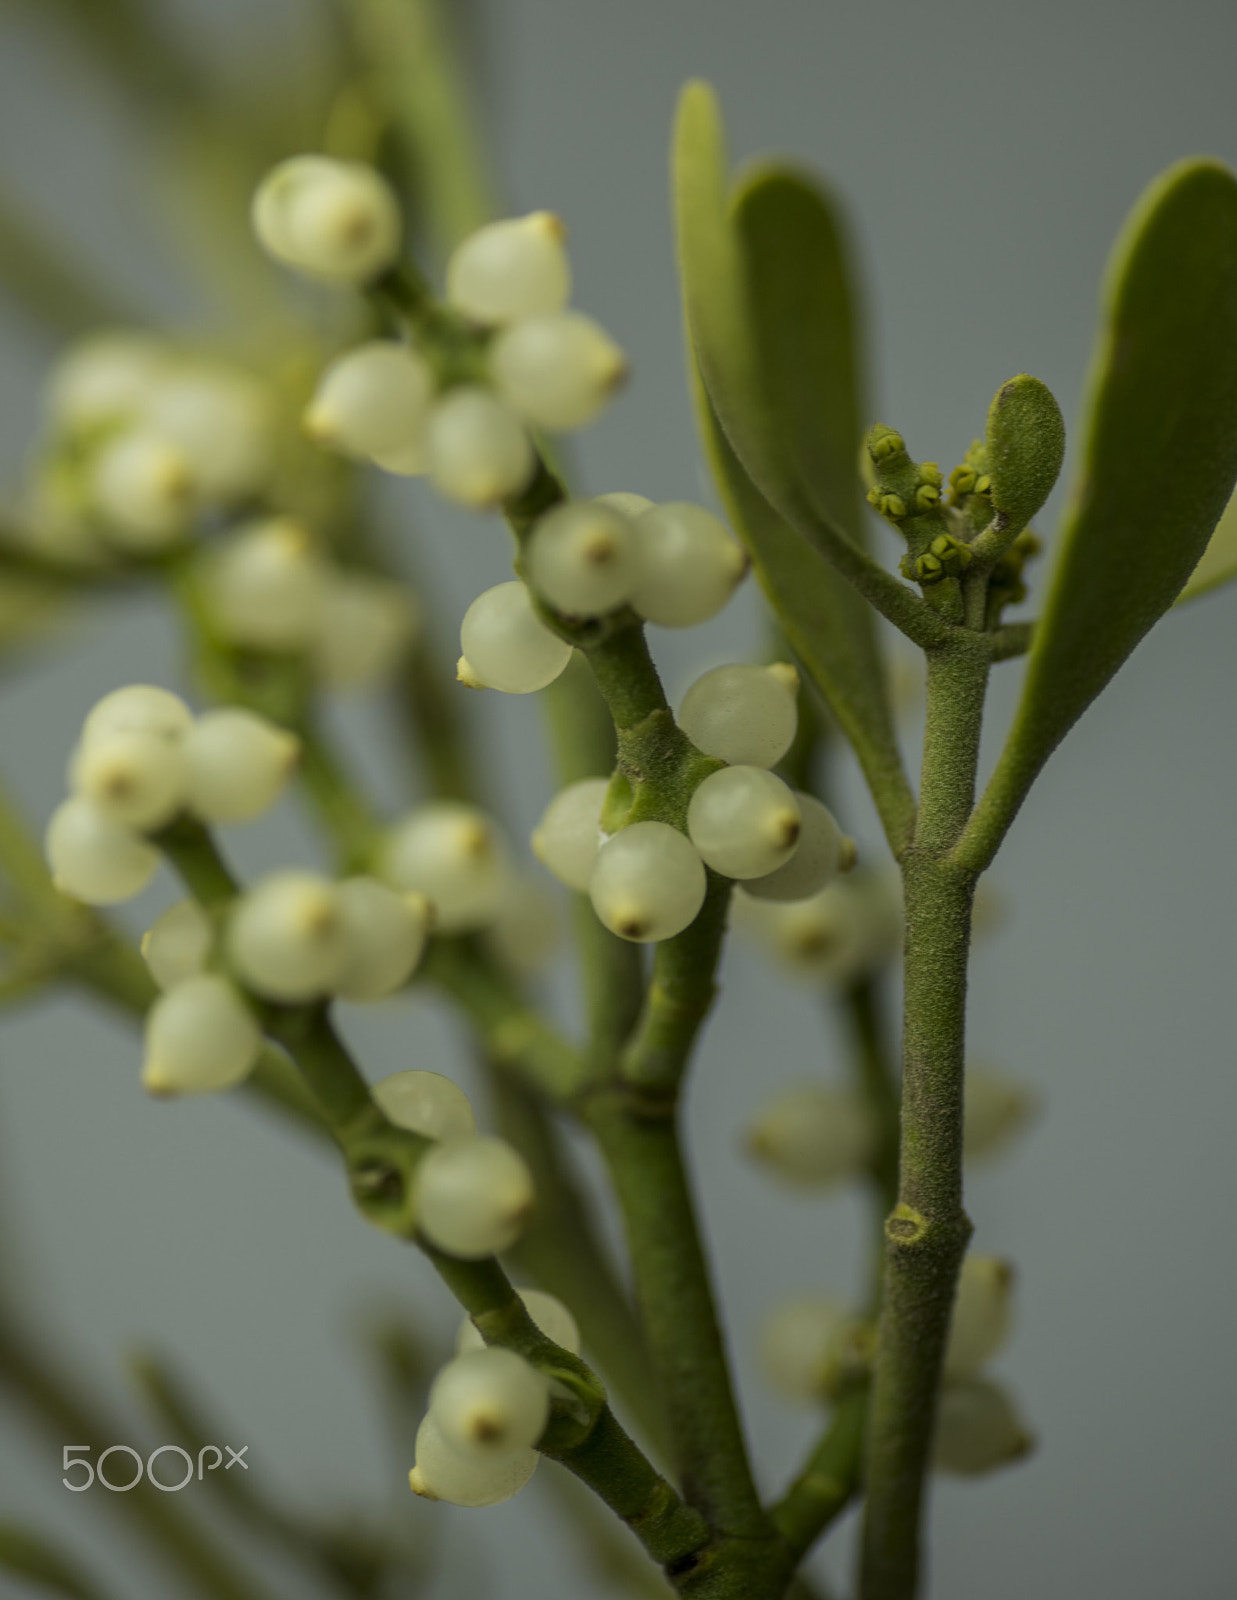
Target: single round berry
104,376
454,855
372,401
581,558
442,1473
568,837
267,585
221,420
200,1036
237,764
506,644
490,1402
558,370
338,221
688,564
384,935
744,821
134,776
286,937
995,1111
978,1429
473,1196
549,1313
982,1316
143,489
744,715
513,268
177,944
94,858
817,859
849,928
796,1343
138,707
813,1138
648,882
477,450
426,1103
629,505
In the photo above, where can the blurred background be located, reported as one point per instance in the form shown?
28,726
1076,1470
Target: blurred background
986,156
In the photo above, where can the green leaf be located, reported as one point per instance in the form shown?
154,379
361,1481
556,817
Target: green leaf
780,230
826,622
1026,445
774,368
1159,464
803,324
1219,563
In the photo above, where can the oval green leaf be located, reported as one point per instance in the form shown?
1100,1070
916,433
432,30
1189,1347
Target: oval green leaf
1160,459
1026,446
773,362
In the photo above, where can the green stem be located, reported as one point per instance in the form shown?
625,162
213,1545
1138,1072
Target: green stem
927,1234
560,1249
640,1144
514,1035
679,997
829,1479
415,70
342,809
604,1457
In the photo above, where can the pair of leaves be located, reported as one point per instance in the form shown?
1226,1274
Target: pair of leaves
1159,464
770,317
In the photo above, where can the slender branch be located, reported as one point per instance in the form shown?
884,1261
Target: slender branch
1013,640
514,1035
679,998
641,1148
560,1249
927,1234
344,812
829,1478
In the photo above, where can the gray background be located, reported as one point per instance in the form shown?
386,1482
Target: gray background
989,155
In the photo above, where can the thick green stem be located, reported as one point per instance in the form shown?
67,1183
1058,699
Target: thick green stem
639,1141
927,1233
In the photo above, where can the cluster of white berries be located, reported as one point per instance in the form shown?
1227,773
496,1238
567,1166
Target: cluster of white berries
811,1343
269,586
676,564
143,438
488,1407
293,937
142,759
647,880
535,363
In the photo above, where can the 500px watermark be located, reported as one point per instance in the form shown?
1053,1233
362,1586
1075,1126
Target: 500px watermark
75,1455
